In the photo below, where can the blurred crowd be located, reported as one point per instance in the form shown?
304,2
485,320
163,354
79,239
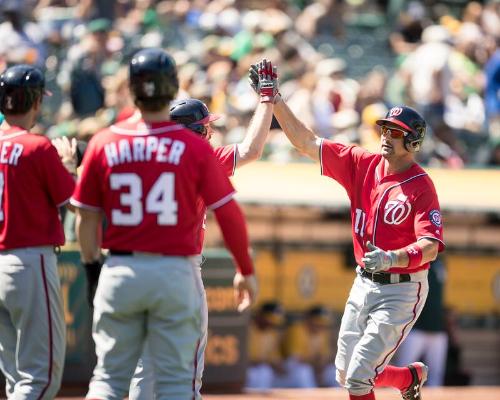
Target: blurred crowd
342,65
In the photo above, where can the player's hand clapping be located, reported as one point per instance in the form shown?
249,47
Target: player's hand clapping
378,260
245,290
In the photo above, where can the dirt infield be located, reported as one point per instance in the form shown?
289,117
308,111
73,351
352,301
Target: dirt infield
455,393
448,393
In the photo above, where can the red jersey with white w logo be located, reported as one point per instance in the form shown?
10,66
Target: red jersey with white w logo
148,179
390,211
33,184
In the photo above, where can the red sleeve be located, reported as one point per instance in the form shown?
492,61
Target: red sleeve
215,187
59,182
88,192
234,231
338,161
428,222
227,157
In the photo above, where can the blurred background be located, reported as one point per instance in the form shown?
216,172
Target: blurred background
342,65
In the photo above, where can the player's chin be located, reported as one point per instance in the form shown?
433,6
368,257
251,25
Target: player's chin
386,151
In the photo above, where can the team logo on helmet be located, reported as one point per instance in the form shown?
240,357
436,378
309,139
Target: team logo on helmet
397,210
395,111
149,88
435,217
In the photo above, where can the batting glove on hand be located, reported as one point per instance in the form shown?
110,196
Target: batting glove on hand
263,79
378,260
245,290
92,270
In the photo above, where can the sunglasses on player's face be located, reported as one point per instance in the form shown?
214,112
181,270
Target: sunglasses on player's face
394,133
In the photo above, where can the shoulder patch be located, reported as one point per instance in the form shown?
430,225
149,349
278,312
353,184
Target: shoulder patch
435,217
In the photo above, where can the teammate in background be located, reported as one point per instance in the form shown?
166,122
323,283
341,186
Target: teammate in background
33,184
397,231
194,115
146,176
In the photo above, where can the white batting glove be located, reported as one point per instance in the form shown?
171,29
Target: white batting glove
378,260
245,290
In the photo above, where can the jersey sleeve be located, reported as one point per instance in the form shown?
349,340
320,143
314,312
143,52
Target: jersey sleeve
215,187
59,182
88,191
428,222
227,157
338,162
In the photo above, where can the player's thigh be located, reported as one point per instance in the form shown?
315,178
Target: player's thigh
352,326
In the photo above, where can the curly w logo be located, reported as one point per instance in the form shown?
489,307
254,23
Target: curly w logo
396,211
395,111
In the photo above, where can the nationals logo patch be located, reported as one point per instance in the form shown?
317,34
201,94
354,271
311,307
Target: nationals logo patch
435,217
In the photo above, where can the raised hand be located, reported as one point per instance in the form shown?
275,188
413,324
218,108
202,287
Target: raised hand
263,79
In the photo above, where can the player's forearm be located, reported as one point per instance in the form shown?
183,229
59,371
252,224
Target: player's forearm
429,250
302,138
234,232
88,233
250,149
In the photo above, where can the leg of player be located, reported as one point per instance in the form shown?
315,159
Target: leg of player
33,289
142,386
177,329
351,329
118,327
384,332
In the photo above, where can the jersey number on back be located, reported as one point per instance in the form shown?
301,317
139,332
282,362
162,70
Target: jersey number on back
160,199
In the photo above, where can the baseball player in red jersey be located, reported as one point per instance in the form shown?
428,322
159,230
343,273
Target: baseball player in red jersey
145,175
33,184
194,115
397,231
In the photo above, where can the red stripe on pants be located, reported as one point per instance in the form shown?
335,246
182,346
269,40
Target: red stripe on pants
402,334
49,317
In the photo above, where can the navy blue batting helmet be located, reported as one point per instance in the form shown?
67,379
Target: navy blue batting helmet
193,114
153,75
20,86
410,121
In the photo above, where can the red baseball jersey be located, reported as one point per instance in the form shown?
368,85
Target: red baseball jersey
227,158
390,211
33,184
148,178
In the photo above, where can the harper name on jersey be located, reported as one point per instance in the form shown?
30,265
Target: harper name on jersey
162,150
10,153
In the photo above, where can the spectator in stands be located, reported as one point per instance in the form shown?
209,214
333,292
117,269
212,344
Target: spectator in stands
428,340
22,41
265,339
308,348
84,67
